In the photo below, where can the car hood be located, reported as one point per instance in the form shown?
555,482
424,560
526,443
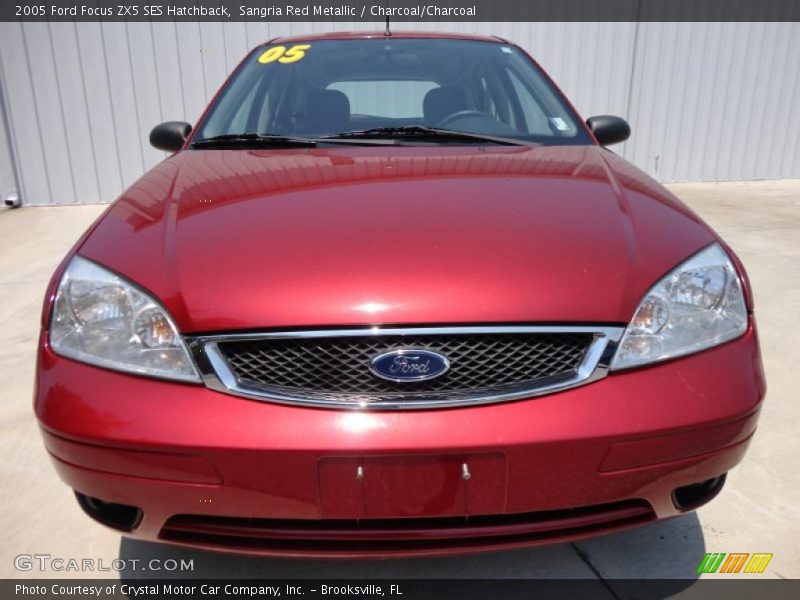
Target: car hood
243,239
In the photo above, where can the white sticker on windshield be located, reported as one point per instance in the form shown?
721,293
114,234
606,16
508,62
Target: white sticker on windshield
559,123
505,49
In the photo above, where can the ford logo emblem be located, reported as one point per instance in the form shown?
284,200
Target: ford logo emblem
409,365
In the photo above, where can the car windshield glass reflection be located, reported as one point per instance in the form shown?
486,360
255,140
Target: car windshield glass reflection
392,88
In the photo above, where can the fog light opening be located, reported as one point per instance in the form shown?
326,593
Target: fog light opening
695,495
117,516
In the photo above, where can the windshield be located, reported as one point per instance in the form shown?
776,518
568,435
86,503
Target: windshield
326,87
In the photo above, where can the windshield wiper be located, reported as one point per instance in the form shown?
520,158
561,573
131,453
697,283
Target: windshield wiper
266,140
427,133
250,140
376,135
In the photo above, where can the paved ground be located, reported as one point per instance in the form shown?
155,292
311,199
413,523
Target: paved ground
758,511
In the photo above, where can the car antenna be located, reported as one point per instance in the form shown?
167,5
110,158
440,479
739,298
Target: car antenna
388,31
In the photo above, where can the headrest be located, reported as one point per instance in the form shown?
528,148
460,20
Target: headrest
328,111
442,101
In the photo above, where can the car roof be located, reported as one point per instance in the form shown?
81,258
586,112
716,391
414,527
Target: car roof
365,35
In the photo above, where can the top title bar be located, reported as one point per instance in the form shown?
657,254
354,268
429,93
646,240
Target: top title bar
401,10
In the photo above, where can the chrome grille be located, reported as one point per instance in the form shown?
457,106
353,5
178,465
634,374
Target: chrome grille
331,368
341,365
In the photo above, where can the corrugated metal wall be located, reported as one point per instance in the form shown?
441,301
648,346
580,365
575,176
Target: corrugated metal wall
706,101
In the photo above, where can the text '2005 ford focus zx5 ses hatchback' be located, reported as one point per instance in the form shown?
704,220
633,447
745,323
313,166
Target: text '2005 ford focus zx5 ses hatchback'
392,296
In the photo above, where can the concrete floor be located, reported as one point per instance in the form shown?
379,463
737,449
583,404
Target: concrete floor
758,511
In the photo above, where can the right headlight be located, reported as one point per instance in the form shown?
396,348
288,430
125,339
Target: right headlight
698,305
102,319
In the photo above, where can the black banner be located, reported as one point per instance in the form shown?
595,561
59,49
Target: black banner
400,10
402,589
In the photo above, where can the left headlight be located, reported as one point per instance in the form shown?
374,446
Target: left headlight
101,319
698,305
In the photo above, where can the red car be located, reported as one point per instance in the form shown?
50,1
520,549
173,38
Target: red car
392,296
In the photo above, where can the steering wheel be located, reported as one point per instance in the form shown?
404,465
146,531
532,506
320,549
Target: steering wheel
462,114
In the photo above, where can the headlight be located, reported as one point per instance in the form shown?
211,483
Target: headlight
101,319
698,305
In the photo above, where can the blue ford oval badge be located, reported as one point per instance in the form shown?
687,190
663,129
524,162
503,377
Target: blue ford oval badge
408,364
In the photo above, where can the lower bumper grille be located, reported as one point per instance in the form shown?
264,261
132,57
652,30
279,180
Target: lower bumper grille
408,535
334,368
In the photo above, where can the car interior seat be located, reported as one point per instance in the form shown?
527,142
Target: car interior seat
442,101
327,111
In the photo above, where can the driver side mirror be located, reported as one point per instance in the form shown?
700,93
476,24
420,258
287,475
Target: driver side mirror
609,129
170,136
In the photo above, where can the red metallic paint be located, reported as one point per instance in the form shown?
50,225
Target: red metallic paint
323,237
268,455
361,35
248,240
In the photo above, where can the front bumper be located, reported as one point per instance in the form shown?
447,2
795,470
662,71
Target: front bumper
217,471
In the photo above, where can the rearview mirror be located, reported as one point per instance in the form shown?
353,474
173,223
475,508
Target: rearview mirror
609,129
170,135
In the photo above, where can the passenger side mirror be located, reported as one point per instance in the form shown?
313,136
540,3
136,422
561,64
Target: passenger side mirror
170,135
609,129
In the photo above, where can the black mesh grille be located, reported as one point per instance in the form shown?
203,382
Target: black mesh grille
338,368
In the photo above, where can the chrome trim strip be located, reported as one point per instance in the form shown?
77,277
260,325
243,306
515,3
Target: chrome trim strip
217,375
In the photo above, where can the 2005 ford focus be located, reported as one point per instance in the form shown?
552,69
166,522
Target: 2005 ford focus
392,296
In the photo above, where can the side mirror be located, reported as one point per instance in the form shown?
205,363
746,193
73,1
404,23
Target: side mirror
170,135
609,129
